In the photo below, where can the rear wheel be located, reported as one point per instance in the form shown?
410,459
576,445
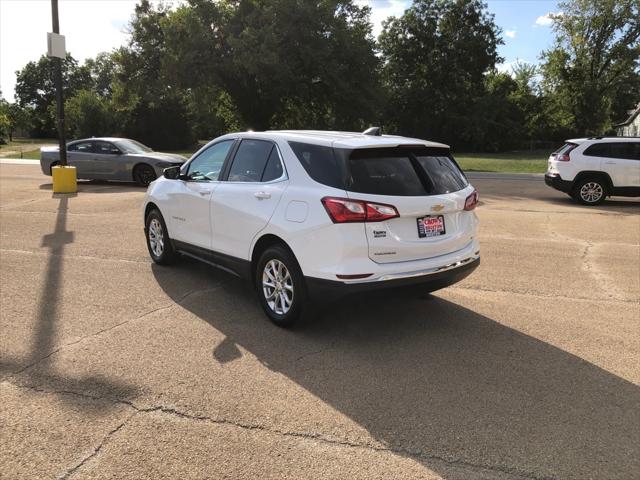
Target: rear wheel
280,285
143,175
54,164
158,241
590,191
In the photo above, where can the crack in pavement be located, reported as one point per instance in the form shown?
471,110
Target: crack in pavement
177,303
607,284
318,437
603,280
97,449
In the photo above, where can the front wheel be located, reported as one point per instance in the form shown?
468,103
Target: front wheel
158,241
143,175
280,285
590,191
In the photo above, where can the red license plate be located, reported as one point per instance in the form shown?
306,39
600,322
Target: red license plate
431,226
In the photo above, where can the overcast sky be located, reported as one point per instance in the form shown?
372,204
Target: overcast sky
93,26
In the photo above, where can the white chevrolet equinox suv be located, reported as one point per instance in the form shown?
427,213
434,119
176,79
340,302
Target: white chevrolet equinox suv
311,215
590,169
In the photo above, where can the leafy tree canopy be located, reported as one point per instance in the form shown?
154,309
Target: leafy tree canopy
595,59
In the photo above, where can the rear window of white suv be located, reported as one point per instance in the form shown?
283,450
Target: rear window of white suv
398,171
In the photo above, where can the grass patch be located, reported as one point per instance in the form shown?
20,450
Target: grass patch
32,155
534,161
25,147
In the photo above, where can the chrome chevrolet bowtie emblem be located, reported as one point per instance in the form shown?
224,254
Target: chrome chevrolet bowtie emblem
436,208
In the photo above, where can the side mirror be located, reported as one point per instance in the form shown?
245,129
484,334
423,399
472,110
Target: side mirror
172,173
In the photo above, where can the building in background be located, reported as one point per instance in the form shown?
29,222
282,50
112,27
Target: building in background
630,127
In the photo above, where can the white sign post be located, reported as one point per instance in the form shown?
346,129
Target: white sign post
56,45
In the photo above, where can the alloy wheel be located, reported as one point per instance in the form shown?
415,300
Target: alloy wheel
156,237
591,192
277,287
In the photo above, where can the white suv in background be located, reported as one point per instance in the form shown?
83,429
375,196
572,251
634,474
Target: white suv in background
314,215
590,169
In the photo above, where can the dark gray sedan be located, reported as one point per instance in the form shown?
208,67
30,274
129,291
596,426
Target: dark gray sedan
119,159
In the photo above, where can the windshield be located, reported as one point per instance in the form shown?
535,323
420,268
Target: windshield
131,146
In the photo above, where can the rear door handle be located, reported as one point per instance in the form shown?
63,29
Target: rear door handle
262,195
204,193
611,163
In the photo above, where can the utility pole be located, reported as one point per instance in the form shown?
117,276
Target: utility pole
57,80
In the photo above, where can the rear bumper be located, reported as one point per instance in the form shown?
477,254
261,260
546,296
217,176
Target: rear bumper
556,181
321,290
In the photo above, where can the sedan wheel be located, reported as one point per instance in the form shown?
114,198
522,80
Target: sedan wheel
144,175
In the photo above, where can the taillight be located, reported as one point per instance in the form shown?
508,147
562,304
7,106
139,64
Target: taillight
564,156
472,201
345,210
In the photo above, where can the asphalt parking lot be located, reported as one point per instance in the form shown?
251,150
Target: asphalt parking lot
112,367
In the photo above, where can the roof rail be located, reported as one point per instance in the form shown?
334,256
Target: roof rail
374,131
600,137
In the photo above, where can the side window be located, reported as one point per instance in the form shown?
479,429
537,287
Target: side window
81,147
274,169
625,150
598,150
250,161
105,148
208,164
321,164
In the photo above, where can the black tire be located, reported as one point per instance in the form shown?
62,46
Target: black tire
156,231
54,164
144,174
590,191
294,290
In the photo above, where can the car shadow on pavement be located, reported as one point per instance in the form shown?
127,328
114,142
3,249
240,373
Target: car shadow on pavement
435,381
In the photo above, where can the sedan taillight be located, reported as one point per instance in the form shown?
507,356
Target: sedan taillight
345,210
471,201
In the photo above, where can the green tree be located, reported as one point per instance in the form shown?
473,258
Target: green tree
284,63
102,69
595,60
35,90
436,57
145,95
14,118
4,122
89,115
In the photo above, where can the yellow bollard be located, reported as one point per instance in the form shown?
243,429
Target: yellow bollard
64,179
